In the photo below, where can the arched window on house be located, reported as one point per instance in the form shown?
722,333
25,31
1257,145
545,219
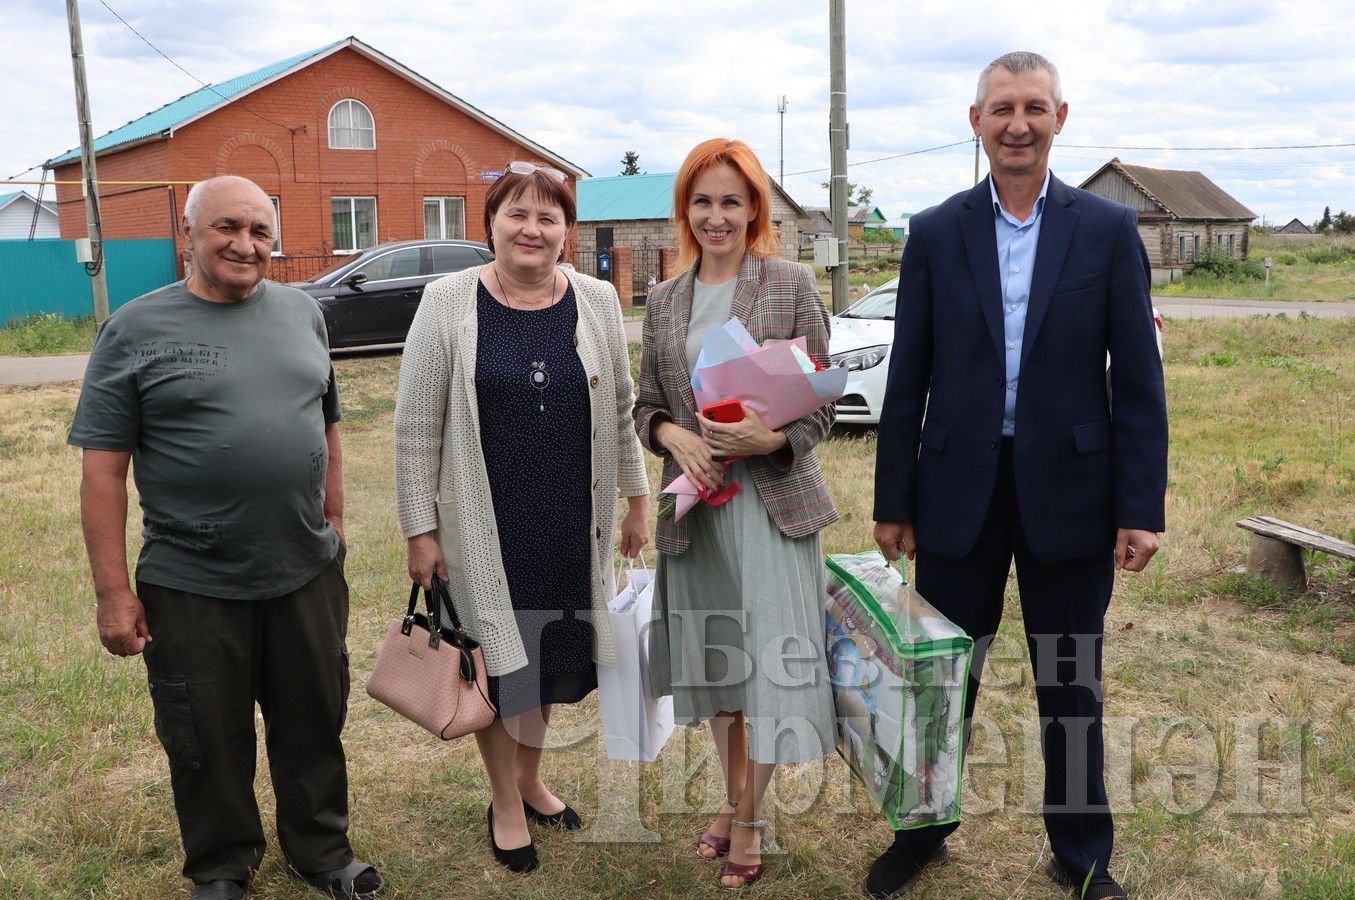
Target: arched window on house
351,126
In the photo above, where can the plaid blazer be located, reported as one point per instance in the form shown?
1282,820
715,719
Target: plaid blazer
774,298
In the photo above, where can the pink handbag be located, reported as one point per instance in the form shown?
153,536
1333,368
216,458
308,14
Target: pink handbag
431,674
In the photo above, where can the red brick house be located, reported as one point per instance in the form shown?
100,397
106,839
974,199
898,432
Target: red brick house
355,149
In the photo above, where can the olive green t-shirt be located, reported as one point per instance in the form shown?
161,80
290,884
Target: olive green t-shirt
223,407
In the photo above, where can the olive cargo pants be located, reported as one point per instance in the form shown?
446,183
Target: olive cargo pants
209,661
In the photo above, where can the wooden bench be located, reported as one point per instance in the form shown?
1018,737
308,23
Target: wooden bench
1275,550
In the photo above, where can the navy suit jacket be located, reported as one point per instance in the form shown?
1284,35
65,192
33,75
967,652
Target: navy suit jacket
1083,466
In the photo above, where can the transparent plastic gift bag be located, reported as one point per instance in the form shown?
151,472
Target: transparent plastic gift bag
898,670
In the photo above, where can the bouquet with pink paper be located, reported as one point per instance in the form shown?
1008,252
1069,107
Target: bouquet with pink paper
778,381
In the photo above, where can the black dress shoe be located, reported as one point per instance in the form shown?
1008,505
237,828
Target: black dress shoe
522,859
220,889
895,870
566,818
1100,887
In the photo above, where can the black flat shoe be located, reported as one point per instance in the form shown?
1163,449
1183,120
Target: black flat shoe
220,889
522,859
566,818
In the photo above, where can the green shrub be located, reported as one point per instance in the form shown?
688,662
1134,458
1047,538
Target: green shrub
1329,253
879,236
1218,263
1287,259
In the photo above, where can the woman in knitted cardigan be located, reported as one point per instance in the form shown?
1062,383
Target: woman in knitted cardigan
513,441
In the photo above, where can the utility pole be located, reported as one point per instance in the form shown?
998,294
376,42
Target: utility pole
837,139
90,179
781,109
976,159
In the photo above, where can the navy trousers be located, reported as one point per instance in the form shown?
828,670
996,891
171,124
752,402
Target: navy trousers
1063,605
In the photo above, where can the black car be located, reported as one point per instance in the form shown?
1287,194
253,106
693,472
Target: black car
370,297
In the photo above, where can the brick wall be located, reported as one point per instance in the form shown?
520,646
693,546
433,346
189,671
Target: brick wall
623,271
669,263
788,224
632,232
279,137
127,211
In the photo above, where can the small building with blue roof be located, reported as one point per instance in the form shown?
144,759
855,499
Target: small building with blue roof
636,211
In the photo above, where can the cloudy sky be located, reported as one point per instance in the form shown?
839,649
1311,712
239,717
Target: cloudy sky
1147,80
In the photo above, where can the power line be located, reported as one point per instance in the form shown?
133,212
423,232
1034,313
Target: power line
19,175
168,59
1232,149
209,87
866,162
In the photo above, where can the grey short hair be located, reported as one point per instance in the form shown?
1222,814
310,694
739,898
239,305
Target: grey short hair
193,205
1015,62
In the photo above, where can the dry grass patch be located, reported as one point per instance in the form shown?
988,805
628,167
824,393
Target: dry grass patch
1207,673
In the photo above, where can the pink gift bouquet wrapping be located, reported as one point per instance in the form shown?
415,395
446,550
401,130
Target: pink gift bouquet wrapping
776,380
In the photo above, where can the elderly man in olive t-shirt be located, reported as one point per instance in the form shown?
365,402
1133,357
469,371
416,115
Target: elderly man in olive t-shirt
219,391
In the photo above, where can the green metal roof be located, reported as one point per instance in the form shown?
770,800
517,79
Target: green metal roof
626,197
190,106
7,199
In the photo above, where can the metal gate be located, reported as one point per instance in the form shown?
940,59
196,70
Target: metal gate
586,257
646,265
646,271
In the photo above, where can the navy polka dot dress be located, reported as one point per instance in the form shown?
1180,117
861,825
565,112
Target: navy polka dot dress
538,456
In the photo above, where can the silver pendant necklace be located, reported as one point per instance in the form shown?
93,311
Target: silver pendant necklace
538,374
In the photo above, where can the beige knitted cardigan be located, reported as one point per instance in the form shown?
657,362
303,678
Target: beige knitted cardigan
440,479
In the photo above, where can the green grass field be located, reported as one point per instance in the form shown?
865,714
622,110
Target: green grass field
47,334
1231,747
1311,268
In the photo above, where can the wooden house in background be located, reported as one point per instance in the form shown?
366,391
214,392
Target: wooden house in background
1294,226
1180,214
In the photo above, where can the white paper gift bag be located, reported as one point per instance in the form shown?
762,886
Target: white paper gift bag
635,725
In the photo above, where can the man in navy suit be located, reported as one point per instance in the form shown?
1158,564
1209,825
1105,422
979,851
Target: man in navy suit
1000,440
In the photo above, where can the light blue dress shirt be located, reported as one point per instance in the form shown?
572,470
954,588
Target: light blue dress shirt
1016,243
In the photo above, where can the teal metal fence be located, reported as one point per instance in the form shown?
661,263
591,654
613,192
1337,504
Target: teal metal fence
44,277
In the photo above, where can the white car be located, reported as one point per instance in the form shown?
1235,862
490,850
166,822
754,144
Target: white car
860,343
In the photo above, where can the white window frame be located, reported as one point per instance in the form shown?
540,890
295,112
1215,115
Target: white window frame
1195,254
277,224
348,103
1181,248
442,217
353,223
1232,245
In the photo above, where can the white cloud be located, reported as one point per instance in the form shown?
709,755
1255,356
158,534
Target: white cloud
592,79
